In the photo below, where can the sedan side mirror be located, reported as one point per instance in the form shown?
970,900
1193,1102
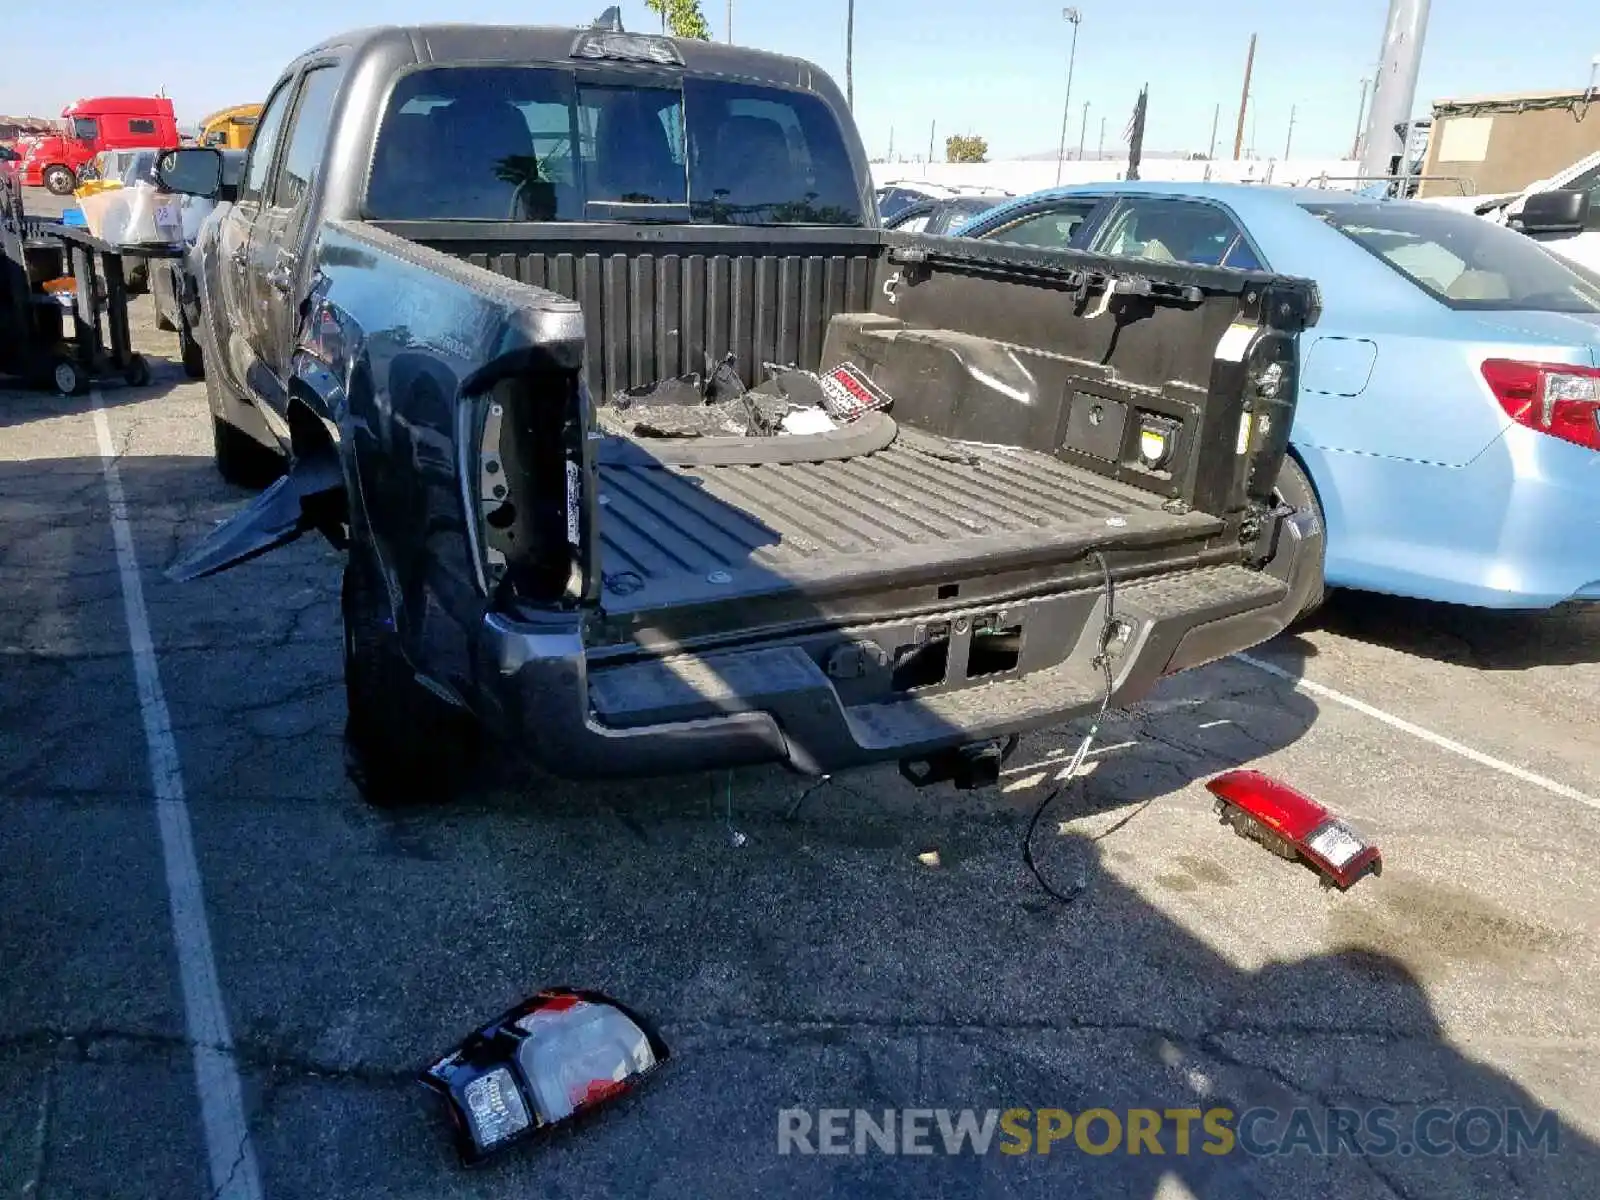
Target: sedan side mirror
1564,211
191,171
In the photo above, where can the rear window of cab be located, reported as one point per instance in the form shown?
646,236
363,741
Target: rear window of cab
553,144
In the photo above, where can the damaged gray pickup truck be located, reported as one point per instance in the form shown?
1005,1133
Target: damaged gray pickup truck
652,452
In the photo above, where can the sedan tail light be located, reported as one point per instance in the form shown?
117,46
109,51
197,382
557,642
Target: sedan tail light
1553,398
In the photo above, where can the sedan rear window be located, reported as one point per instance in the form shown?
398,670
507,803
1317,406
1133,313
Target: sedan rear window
1463,260
551,144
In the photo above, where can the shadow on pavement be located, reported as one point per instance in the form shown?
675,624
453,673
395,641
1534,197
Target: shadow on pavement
20,404
1486,639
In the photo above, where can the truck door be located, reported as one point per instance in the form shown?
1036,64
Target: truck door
278,244
233,237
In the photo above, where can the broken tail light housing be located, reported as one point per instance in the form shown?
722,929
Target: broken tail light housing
546,1062
1294,826
1553,398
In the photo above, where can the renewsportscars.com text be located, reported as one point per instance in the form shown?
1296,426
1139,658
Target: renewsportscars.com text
1373,1132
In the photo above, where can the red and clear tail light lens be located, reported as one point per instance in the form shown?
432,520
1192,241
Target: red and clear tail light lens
1560,400
544,1062
1292,825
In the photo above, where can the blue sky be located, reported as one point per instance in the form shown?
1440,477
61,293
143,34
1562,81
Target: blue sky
945,61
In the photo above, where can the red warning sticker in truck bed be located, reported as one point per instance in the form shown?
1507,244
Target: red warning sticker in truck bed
847,393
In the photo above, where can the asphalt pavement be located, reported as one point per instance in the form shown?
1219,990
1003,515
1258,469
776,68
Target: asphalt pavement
863,946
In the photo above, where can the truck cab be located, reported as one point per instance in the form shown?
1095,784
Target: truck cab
89,126
229,128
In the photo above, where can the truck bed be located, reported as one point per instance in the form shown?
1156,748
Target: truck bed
677,534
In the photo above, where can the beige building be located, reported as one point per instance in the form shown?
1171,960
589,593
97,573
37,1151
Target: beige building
1500,144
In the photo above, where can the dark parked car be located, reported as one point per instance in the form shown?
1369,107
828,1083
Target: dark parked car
436,304
10,186
172,281
943,216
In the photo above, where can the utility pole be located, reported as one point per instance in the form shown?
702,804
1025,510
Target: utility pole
850,56
1289,141
932,125
1216,115
1394,90
891,143
1074,16
1361,116
730,22
1101,152
1244,99
1083,130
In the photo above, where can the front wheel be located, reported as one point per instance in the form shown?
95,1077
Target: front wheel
59,180
137,372
404,746
189,348
1295,489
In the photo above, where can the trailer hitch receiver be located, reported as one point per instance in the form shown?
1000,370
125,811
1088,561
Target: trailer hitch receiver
975,765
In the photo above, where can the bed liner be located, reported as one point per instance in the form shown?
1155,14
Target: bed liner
709,519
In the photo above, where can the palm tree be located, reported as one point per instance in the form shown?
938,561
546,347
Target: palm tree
850,55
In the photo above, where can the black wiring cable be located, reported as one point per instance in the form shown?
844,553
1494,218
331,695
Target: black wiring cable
1103,660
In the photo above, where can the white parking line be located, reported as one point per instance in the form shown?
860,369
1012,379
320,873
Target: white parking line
1417,731
234,1175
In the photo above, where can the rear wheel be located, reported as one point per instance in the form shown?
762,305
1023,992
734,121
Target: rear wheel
59,180
404,745
1295,489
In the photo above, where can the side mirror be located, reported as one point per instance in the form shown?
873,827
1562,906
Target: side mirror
1563,211
191,171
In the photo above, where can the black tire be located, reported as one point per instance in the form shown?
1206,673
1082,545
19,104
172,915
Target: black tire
59,180
241,460
1296,490
194,359
403,745
137,372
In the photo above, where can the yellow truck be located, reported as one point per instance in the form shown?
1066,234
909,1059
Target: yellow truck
230,128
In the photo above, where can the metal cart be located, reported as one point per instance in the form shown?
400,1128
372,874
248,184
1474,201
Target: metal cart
68,336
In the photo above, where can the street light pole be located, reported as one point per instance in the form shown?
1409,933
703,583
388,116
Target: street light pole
850,56
730,22
1101,152
1083,130
1073,15
1361,116
1289,141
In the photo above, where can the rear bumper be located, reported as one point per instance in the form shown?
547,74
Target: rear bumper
790,703
1516,528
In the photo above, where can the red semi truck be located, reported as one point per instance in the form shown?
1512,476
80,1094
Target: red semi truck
90,126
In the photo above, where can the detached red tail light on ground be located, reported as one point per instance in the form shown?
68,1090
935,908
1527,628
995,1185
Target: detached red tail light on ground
1294,826
1553,398
541,1064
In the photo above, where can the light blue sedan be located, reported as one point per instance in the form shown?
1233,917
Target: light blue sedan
1448,425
